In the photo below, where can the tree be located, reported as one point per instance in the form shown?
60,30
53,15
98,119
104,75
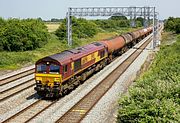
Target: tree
40,19
56,20
177,25
140,20
22,35
172,24
81,28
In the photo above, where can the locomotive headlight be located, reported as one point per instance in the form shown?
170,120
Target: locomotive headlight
38,82
56,83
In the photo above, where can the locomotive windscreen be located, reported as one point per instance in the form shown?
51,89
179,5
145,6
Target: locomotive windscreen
48,68
41,68
54,69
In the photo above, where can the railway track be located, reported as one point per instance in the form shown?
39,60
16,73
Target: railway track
81,108
16,89
30,112
17,76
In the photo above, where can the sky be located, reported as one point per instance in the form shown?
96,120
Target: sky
47,9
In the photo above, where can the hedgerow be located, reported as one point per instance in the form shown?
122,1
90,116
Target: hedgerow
156,96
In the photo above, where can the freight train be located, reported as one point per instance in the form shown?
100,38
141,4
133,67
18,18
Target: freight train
57,74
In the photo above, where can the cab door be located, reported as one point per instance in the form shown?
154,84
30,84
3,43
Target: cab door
67,71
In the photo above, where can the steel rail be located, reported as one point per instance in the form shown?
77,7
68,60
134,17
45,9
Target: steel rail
20,112
41,111
28,108
4,91
17,76
17,92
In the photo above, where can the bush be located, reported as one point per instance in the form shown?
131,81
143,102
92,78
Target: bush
172,24
156,96
22,35
81,28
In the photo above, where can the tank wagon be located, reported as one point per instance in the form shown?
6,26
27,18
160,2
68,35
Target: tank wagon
57,74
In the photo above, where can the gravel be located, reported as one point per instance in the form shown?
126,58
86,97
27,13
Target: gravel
16,100
17,89
33,110
17,109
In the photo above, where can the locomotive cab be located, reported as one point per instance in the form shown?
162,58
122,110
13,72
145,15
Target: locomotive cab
48,78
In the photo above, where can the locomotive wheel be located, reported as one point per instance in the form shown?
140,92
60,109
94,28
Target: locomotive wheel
56,95
83,77
134,43
104,63
65,92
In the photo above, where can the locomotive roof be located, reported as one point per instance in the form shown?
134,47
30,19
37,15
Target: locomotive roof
73,54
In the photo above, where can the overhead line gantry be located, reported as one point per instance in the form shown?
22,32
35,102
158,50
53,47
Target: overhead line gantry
132,12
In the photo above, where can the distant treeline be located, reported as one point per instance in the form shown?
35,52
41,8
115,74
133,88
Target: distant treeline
55,20
172,24
83,28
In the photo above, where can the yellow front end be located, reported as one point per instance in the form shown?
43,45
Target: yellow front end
48,84
48,79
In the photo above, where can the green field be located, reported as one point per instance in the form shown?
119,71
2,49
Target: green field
52,26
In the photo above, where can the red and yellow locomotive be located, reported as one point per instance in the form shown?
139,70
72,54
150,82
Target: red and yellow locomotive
56,74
